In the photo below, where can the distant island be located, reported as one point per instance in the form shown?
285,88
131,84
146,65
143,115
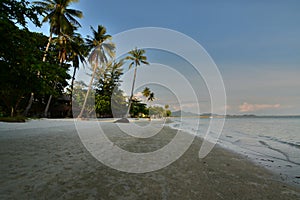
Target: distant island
212,115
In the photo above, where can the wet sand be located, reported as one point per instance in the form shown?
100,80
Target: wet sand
46,160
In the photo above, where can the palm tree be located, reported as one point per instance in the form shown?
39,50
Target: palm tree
148,94
61,42
77,54
166,110
136,56
151,97
102,50
62,21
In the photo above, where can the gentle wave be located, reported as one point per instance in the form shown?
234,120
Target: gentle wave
271,142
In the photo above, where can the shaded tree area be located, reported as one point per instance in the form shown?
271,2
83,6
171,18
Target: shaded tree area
138,109
34,68
21,68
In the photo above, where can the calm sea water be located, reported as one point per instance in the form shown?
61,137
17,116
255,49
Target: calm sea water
271,142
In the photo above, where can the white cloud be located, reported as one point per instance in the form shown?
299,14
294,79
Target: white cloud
246,107
139,96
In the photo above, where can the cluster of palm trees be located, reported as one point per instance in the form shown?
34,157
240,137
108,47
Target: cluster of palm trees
74,49
99,57
63,24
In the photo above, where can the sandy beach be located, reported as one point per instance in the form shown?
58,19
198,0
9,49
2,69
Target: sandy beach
45,159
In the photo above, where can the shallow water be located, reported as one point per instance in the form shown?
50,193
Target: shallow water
271,142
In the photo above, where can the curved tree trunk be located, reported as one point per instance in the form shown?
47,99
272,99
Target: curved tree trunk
131,95
44,59
12,112
73,79
47,47
29,104
47,106
88,92
71,92
38,74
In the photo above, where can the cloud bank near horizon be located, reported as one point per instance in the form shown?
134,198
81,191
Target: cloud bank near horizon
246,107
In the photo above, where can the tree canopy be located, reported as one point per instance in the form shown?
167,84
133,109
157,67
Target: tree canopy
34,67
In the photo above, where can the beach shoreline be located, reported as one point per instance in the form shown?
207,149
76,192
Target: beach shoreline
270,143
46,159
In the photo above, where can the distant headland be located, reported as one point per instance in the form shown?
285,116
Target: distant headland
212,115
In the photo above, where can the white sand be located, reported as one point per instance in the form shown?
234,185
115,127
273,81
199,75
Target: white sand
45,159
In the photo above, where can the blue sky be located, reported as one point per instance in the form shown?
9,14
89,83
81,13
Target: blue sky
255,44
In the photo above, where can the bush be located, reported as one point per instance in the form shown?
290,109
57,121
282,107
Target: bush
13,119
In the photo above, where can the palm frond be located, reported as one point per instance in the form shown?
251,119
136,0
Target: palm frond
131,64
145,62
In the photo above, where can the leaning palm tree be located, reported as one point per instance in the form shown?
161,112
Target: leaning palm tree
62,20
137,57
102,50
77,52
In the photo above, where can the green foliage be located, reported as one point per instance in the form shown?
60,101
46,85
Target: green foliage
109,97
118,103
137,57
103,106
21,68
13,119
16,12
18,64
148,94
168,113
62,19
78,93
101,46
156,111
138,109
23,71
78,97
159,112
102,50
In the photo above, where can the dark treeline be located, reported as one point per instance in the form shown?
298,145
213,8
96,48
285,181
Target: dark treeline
35,78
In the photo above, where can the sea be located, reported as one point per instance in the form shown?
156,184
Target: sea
272,142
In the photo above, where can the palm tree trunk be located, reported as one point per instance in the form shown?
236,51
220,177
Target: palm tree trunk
132,89
60,62
29,104
38,73
71,92
47,47
73,79
88,92
12,112
47,106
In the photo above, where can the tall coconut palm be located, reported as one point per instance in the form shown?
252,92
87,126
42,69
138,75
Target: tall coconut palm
102,51
62,20
73,49
61,42
137,57
78,51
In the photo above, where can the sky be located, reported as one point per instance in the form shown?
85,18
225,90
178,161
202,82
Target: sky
255,45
